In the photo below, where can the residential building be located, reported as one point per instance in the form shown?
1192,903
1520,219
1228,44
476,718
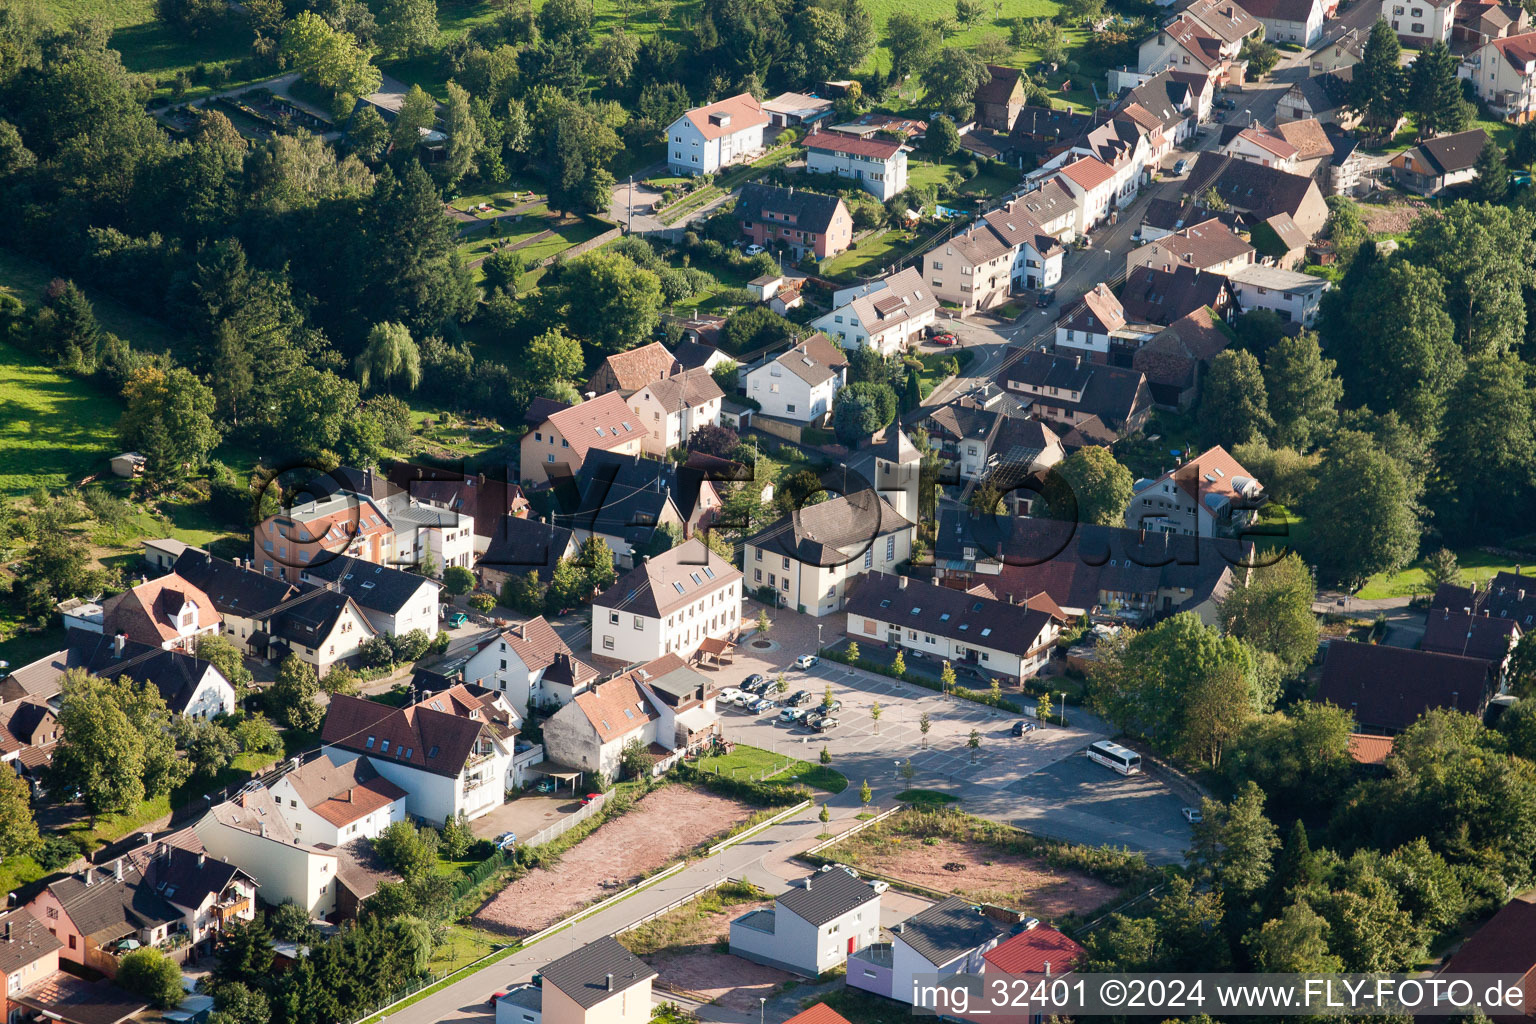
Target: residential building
799,384
168,613
980,635
387,496
1000,98
1459,631
665,706
563,435
1506,596
797,221
813,927
484,499
949,937
789,109
1478,21
1322,96
992,437
878,165
175,898
889,318
342,524
623,501
1421,23
1225,20
707,138
1163,217
189,685
1112,574
1087,325
1292,297
1504,946
1152,295
241,595
29,954
808,558
1289,21
1038,134
1177,357
1184,44
1260,192
1314,146
394,601
1338,54
322,628
522,546
671,603
628,372
1388,688
1210,495
330,803
29,732
521,1004
1068,389
1435,165
448,756
1009,249
1261,146
250,830
426,535
671,410
1036,953
1346,173
1094,188
1209,247
528,664
600,983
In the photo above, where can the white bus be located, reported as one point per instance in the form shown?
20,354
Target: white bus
1113,755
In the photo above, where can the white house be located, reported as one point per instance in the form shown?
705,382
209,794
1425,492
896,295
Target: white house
706,139
393,601
813,927
1261,146
1294,297
1011,248
1087,326
889,317
1094,186
528,663
322,628
663,705
439,536
800,384
950,937
600,983
993,431
878,165
671,409
1289,21
986,636
1503,73
189,685
1211,495
250,831
450,752
671,603
520,1004
807,558
330,803
1421,23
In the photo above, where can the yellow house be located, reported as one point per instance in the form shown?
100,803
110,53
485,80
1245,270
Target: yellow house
563,435
600,983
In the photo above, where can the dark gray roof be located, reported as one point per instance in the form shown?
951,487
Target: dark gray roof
827,895
377,587
947,930
1113,394
1388,688
521,545
175,674
1163,297
308,619
833,532
1451,153
108,909
1249,187
895,446
234,589
977,621
29,940
812,211
583,975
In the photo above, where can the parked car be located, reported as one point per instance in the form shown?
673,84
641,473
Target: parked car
811,719
730,695
753,249
589,798
760,705
1047,297
495,996
457,619
545,787
832,708
806,661
791,715
945,340
1021,727
506,840
1193,815
826,723
753,681
1181,167
798,698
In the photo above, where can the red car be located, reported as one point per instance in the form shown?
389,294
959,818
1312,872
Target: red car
495,996
588,799
945,340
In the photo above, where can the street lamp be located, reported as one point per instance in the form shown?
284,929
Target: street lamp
1063,711
818,636
762,1008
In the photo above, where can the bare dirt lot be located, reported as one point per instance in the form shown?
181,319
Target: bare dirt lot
697,969
1392,218
986,875
658,828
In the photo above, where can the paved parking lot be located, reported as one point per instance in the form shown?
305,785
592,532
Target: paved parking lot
527,814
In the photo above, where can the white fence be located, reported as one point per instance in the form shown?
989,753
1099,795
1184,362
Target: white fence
568,822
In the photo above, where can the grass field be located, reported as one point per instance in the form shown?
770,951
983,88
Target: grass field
745,762
872,255
1478,566
52,427
149,46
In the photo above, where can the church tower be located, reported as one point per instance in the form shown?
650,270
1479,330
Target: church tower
898,468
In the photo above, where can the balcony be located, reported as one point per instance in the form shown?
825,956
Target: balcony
234,908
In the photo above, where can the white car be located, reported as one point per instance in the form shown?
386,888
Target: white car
1193,815
806,661
730,695
753,249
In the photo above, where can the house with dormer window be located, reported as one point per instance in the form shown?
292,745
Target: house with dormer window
889,316
169,613
670,603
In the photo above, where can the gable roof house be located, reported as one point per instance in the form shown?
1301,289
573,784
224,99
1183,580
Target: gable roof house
320,627
394,601
1085,327
1069,390
707,138
1261,146
789,109
1322,96
484,499
981,636
1152,295
1000,98
1164,106
877,165
1209,247
803,222
1038,950
528,663
815,926
624,500
1225,19
1507,596
190,686
168,612
1289,21
29,956
889,319
1435,165
523,546
1504,945
671,603
1038,134
1211,495
1012,248
1179,354
628,372
670,410
250,830
1260,192
810,557
239,593
1314,146
600,983
992,435
1388,688
563,436
798,385
342,523
29,731
1481,636
446,756
949,937
331,803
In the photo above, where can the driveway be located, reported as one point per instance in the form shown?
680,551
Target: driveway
526,815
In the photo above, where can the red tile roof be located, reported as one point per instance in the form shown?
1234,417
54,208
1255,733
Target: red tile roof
1088,172
1369,749
821,1013
1505,945
599,423
837,142
616,708
1030,951
743,111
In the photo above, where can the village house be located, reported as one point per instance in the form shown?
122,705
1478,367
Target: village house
799,221
1314,146
1208,247
1225,20
877,165
484,499
251,831
1210,495
1507,596
665,706
1323,97
628,372
671,603
670,410
1435,165
600,983
29,732
799,384
1478,21
326,803
1000,98
189,685
342,524
432,537
626,500
1420,23
1010,249
1481,636
527,663
1163,217
1293,297
991,435
29,954
705,139
1261,146
1289,21
563,434
888,316
239,593
394,601
1087,325
949,937
808,558
1388,688
168,613
1260,192
322,628
520,547
813,927
1176,358
1152,295
1067,389
1095,189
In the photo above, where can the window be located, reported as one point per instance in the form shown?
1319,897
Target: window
789,407
369,744
639,622
786,563
613,618
869,557
757,575
550,457
890,548
758,554
607,643
937,265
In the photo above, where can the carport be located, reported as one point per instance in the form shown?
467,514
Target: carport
559,773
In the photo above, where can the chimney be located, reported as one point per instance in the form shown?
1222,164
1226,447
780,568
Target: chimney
202,858
901,583
263,827
1520,594
88,876
610,982
368,479
119,641
1047,968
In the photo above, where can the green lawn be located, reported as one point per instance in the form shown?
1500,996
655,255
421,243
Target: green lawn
459,945
931,11
926,797
871,255
747,762
1478,566
934,372
53,429
149,46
